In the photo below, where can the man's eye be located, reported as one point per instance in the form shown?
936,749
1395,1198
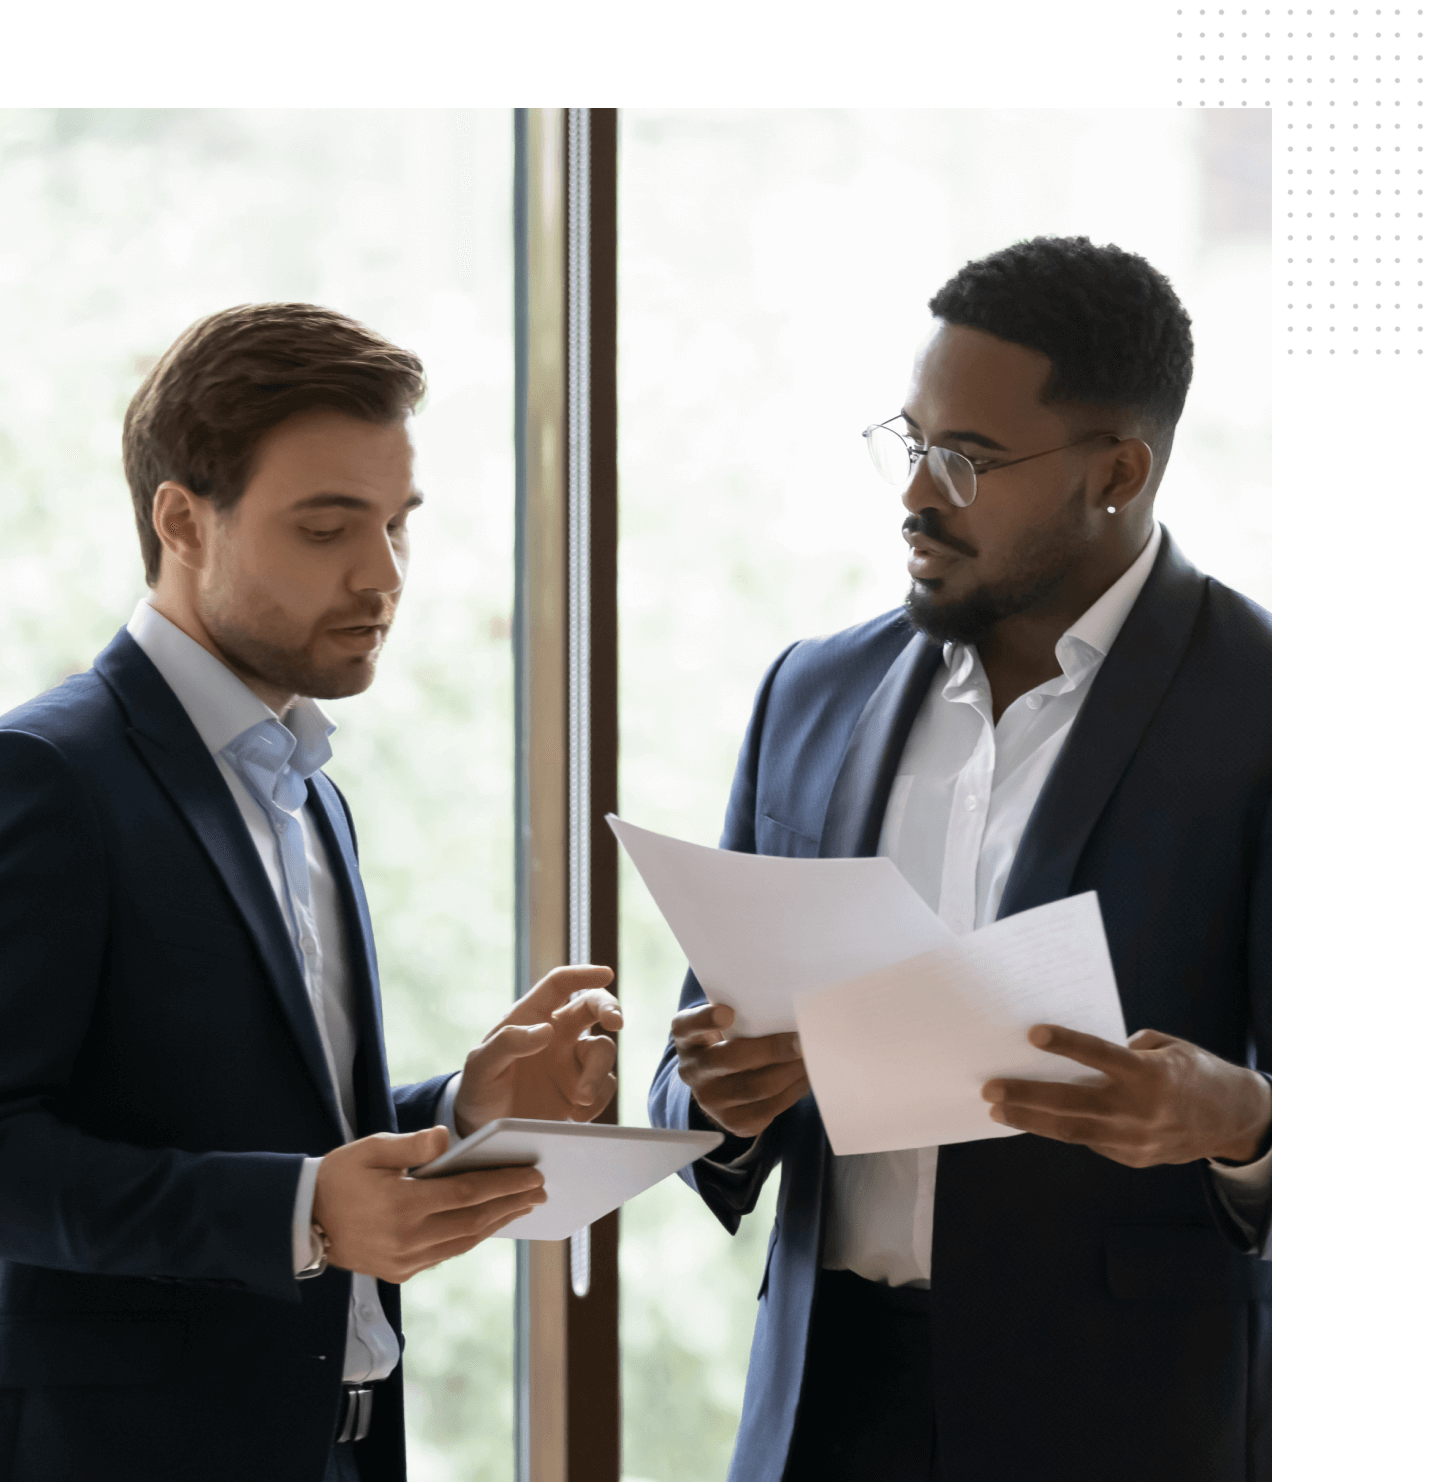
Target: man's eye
321,535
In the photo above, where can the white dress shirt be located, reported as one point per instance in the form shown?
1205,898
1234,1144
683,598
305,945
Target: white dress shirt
221,707
958,806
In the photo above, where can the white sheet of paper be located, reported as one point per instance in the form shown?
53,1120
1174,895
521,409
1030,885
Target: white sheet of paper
588,1168
896,1057
758,928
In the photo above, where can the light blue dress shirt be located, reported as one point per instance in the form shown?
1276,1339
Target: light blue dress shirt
265,762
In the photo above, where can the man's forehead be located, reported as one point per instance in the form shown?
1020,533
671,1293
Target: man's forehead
324,438
967,379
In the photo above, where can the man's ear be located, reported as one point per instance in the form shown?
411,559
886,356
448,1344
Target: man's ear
180,524
1125,471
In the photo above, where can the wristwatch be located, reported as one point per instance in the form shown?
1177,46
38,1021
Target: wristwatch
318,1252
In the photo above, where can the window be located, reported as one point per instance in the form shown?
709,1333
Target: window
774,272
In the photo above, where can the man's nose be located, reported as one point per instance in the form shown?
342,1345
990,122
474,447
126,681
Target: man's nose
922,491
383,567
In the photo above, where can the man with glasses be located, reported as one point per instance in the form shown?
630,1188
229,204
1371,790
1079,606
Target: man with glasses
1064,704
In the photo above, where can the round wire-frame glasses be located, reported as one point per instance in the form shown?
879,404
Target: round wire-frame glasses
895,456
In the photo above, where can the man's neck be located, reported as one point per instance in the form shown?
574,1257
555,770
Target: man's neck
172,606
1019,653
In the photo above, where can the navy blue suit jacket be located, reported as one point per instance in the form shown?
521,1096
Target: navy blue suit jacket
161,1081
1090,1320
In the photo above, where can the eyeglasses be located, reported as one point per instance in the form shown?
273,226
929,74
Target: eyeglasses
896,456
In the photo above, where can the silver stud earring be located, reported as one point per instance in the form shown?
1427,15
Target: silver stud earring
1110,509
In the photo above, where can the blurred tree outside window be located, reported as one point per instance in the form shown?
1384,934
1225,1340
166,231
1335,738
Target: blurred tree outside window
774,270
117,230
774,273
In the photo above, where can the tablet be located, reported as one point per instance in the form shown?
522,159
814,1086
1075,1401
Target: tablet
589,1168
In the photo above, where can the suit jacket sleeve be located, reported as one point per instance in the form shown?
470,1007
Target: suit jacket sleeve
417,1105
729,1192
72,1199
1251,1234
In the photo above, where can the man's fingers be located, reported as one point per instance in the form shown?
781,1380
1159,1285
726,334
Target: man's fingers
592,1006
481,1186
747,1088
1048,1096
1150,1039
597,1055
748,1119
400,1150
1084,1049
450,1244
555,988
793,1094
1054,1125
504,1046
479,1219
703,1024
735,1055
461,1244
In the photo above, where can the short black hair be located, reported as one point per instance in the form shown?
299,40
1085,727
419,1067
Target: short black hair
1113,328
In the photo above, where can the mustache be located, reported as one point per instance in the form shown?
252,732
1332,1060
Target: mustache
378,613
927,522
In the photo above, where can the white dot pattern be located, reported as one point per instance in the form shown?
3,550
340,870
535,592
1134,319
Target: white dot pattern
1346,86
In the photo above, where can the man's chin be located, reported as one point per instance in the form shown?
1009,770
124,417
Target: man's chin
339,681
965,619
296,670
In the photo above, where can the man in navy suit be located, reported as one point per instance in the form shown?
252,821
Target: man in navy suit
202,1167
1063,705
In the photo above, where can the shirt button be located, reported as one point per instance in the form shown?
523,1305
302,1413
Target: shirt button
308,944
970,805
281,824
1034,701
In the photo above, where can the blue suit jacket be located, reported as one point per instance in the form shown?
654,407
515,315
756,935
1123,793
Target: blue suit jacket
1090,1320
161,1080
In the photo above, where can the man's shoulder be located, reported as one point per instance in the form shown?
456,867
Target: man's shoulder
1235,637
865,651
78,717
1246,621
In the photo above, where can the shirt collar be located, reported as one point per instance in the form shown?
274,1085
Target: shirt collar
219,703
1088,640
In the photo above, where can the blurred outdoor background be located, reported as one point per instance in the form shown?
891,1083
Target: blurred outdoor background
774,270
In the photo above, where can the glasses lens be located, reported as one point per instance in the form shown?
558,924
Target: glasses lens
954,475
888,452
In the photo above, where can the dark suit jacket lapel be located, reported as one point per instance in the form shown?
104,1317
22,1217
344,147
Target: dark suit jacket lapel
858,801
375,1104
1123,698
170,747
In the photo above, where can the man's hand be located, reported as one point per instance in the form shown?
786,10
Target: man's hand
741,1084
1165,1100
382,1223
548,1057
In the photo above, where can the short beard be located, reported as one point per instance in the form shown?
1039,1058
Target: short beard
1037,566
292,669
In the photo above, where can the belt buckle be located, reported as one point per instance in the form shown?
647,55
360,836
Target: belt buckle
356,1412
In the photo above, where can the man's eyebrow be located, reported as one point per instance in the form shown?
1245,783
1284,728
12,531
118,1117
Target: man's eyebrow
349,501
979,438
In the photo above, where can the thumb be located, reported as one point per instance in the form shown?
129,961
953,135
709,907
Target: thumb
404,1150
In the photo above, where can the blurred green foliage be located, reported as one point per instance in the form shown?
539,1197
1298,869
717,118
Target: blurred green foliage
774,271
117,229
774,268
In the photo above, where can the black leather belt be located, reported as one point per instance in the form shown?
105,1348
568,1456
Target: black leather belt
355,1412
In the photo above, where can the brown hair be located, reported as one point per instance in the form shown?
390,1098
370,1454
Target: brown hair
232,377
